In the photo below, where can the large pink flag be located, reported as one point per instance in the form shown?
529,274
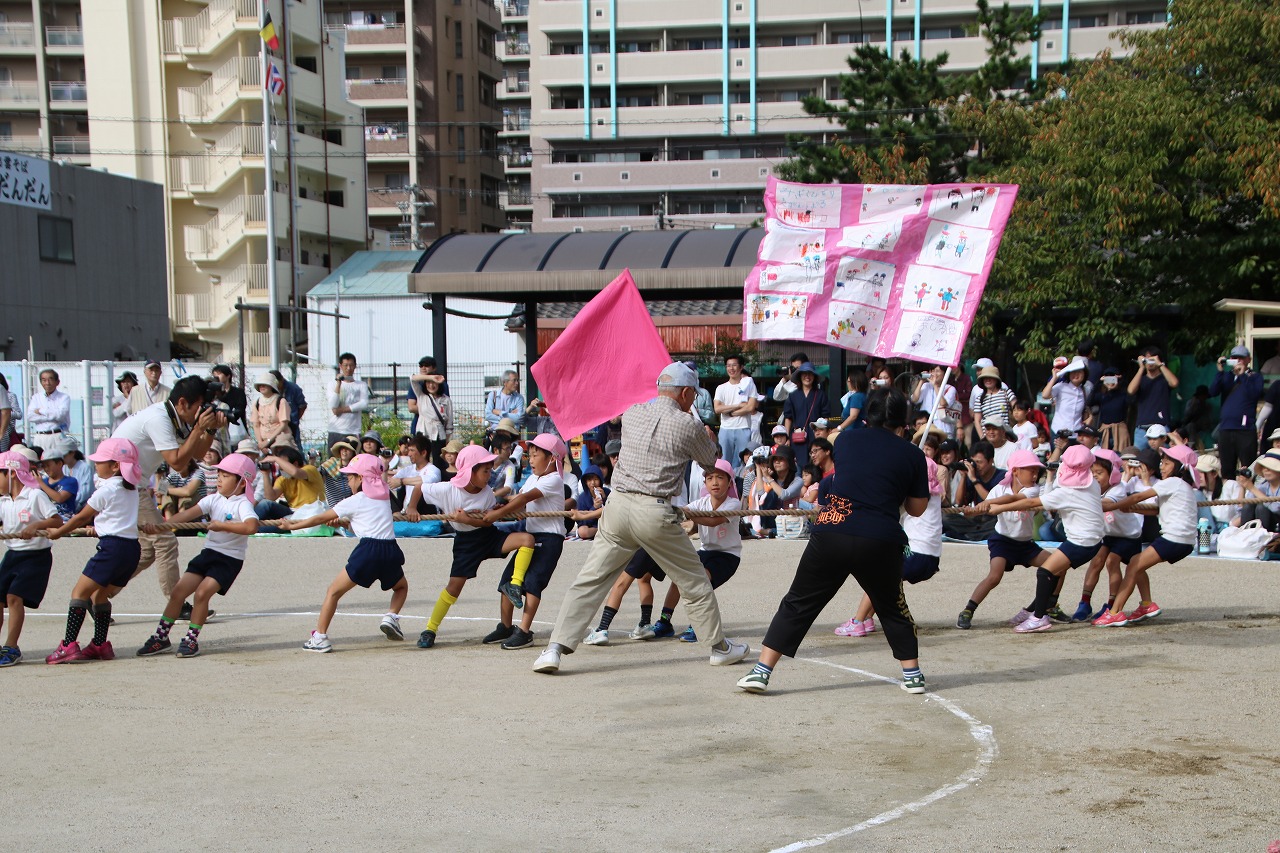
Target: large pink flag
607,359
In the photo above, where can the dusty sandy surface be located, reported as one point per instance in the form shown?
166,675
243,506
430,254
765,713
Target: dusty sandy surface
1163,735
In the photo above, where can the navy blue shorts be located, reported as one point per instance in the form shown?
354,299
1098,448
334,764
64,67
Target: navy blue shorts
115,561
1171,552
26,575
546,554
217,565
1126,548
472,548
1014,552
642,564
920,567
720,566
376,560
1079,555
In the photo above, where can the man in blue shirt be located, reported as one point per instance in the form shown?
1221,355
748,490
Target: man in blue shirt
1241,389
506,402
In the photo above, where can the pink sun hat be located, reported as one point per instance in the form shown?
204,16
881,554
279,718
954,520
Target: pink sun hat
1112,457
1020,459
370,470
18,465
241,466
123,452
1186,457
468,458
1073,472
554,445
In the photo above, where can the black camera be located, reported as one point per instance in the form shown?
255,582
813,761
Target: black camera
1052,466
264,466
1064,434
222,409
1244,472
958,466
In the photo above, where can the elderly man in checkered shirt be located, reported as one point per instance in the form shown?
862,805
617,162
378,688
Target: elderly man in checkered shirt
658,439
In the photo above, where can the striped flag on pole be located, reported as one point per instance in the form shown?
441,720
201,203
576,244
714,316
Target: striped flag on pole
275,80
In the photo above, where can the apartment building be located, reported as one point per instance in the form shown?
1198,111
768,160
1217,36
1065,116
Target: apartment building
43,100
672,113
426,73
176,93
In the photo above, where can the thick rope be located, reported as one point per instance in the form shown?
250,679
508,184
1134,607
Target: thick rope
692,514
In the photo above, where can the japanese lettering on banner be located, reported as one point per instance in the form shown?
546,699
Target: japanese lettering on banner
24,180
885,270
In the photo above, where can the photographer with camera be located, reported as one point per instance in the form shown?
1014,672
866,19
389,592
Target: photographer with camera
348,398
980,477
1241,390
1150,388
1070,397
787,381
173,433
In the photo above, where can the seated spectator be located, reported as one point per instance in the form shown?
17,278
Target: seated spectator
591,502
1267,467
54,482
408,482
336,489
185,489
297,490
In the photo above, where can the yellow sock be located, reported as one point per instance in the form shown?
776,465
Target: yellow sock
524,556
443,603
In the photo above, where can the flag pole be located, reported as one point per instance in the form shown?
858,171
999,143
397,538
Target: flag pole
273,305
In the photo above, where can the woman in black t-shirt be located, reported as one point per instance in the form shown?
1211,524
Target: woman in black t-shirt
857,533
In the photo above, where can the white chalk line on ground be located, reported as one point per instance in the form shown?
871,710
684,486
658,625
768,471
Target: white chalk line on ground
979,731
266,614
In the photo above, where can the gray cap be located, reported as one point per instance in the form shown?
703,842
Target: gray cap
1240,351
61,448
613,448
677,375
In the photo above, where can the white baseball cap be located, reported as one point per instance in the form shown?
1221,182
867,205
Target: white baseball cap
677,375
1157,431
984,362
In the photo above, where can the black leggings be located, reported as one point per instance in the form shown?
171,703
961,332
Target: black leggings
831,558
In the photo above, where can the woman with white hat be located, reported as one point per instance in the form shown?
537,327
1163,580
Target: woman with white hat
269,415
1069,388
1267,467
1218,488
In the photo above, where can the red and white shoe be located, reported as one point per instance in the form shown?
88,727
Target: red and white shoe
1142,612
93,651
66,653
1111,619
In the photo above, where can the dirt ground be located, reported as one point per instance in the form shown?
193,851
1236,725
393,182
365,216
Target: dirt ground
1163,735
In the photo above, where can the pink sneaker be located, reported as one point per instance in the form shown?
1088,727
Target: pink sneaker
869,626
852,628
66,653
1144,611
1111,619
93,651
1034,624
1021,616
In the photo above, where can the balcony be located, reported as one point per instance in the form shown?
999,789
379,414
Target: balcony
25,94
207,243
378,90
513,48
68,93
74,147
22,145
513,9
64,40
518,123
512,88
518,160
372,38
395,146
197,312
237,77
209,172
382,202
205,32
22,34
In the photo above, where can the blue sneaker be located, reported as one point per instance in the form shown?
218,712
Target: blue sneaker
662,628
10,655
1083,612
687,635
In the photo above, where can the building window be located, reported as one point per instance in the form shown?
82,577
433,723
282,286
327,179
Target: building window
462,145
462,196
461,103
1133,18
56,239
457,39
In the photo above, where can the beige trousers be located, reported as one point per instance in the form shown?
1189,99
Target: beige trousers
158,548
630,522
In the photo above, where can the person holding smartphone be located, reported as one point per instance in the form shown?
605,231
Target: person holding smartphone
1241,389
348,398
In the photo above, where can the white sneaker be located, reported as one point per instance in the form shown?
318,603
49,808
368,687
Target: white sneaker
1034,624
391,627
597,638
316,643
736,652
644,632
1021,616
548,661
754,682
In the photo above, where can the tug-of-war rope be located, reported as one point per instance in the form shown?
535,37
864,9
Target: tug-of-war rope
691,514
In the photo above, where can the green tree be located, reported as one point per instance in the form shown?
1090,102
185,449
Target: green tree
1145,182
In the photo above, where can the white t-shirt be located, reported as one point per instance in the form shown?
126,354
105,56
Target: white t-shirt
1230,491
1178,511
1027,435
1015,525
1080,511
944,419
428,473
924,534
1002,454
1068,407
151,431
16,513
233,509
571,480
1126,525
370,518
724,537
450,499
729,394
552,500
117,506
